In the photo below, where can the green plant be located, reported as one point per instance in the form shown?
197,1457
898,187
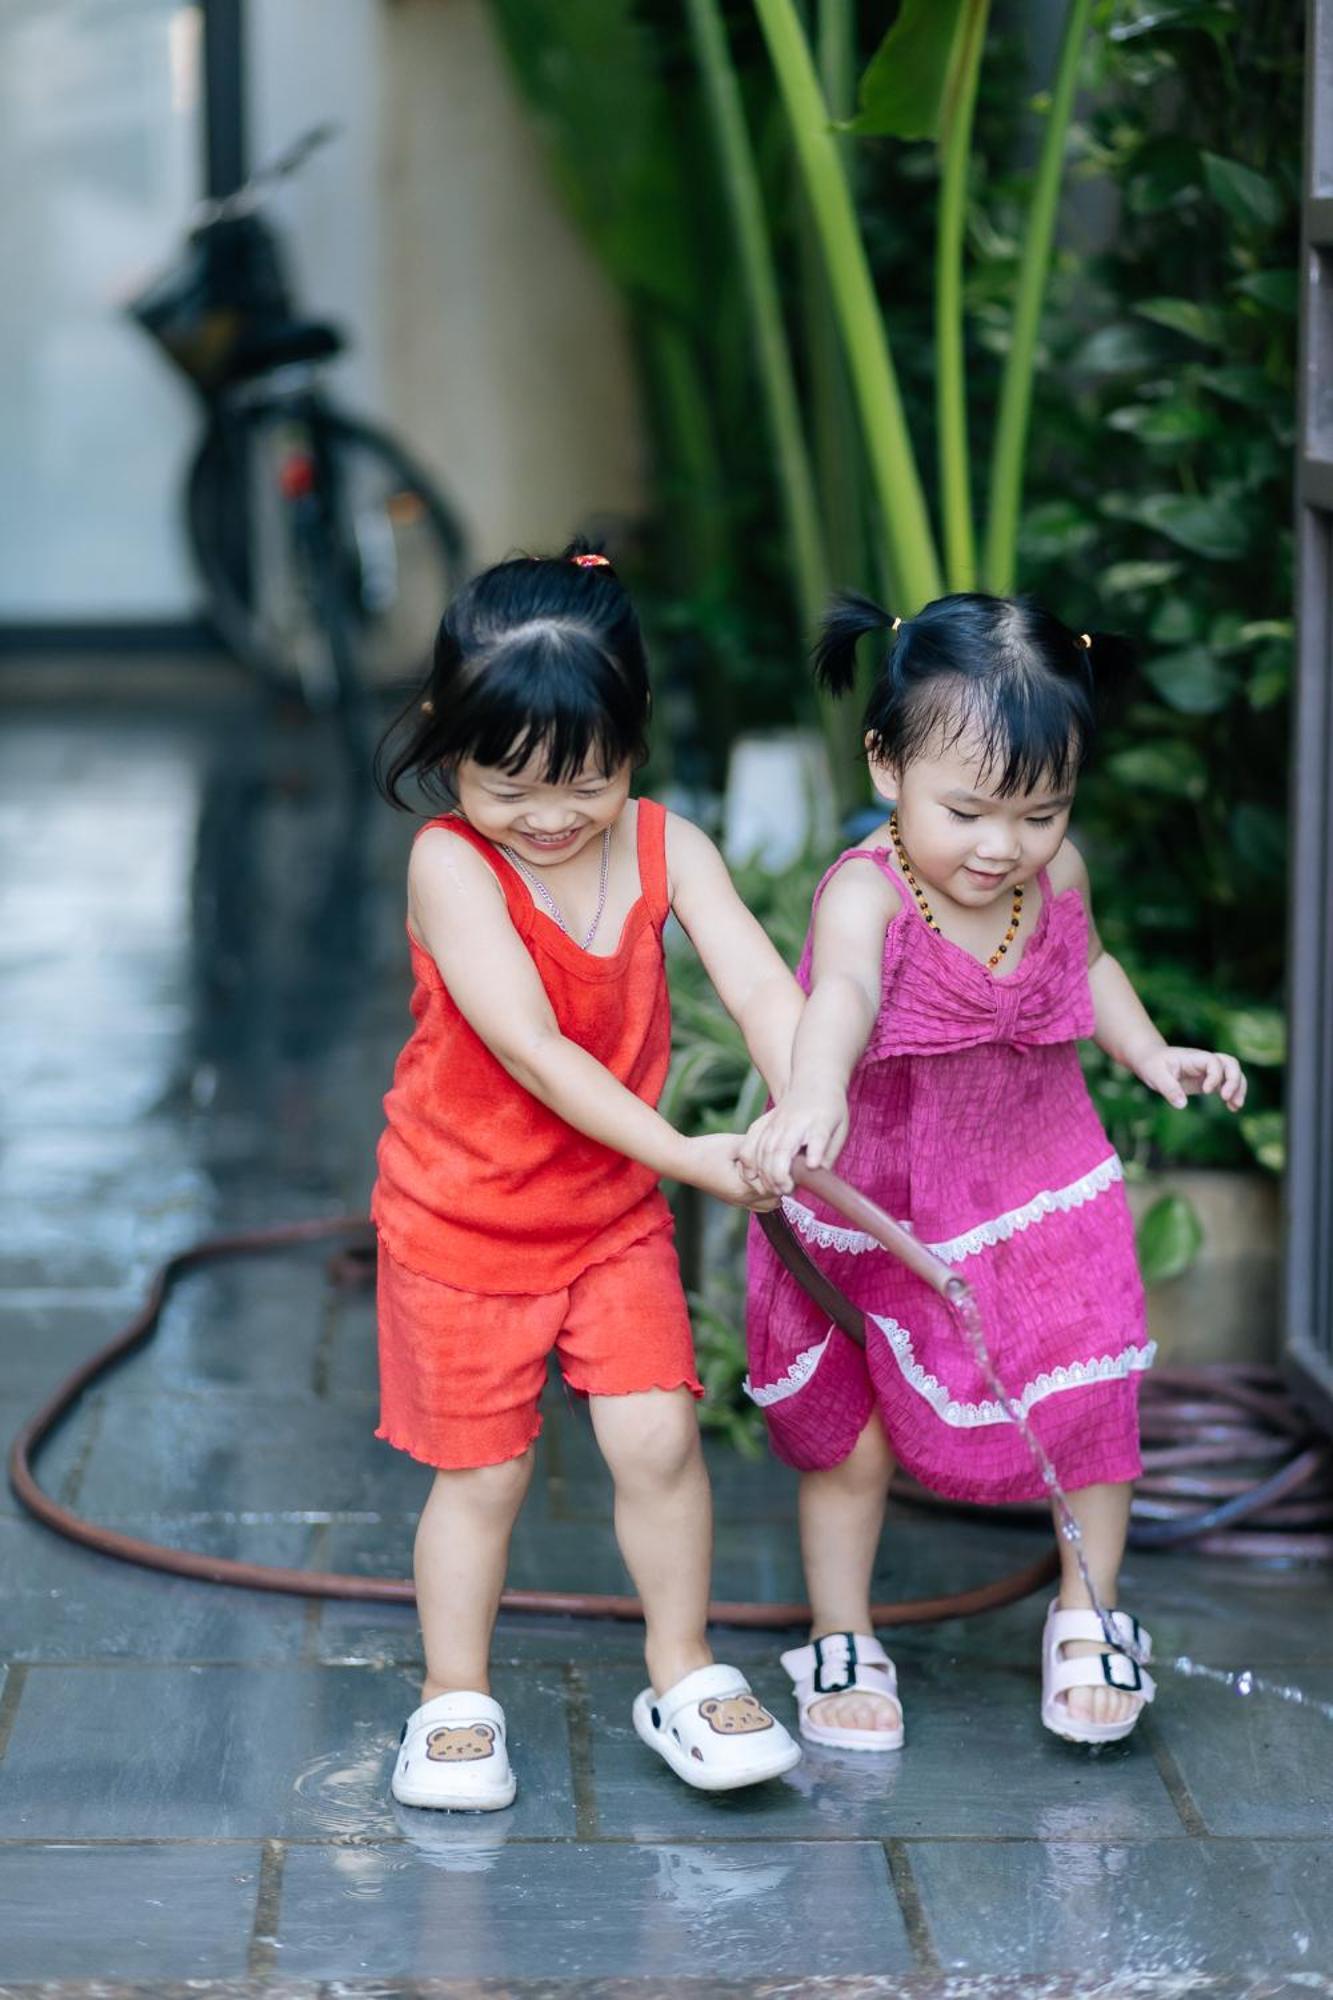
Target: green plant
1160,480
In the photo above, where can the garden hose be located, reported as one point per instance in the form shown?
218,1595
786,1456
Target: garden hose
1197,1422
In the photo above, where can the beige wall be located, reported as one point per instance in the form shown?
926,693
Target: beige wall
505,354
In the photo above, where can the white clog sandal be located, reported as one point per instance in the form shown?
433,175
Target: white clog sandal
453,1756
714,1732
1121,1670
843,1663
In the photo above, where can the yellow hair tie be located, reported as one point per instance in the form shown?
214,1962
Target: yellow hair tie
1085,641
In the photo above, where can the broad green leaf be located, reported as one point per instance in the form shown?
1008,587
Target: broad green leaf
1119,349
1257,1035
1191,681
905,89
1250,387
1169,1238
1258,836
1271,680
1278,289
1265,1133
1250,199
1206,324
1177,621
1173,768
1128,579
1265,628
1168,423
1219,22
1056,528
1213,528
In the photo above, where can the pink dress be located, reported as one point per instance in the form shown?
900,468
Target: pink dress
971,1122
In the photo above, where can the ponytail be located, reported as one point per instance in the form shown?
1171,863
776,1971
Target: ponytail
848,619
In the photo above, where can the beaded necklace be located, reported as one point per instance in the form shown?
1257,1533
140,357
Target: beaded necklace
548,901
905,867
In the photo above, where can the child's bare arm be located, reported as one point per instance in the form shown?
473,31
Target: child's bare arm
753,984
1124,1027
458,913
845,995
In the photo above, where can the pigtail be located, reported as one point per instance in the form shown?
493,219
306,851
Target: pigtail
1111,665
847,621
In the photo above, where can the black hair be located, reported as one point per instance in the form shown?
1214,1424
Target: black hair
1001,669
536,657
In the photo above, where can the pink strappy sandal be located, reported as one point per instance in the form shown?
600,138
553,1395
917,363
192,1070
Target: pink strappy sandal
1119,1670
843,1663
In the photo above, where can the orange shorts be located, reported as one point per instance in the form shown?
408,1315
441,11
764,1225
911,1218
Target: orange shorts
461,1373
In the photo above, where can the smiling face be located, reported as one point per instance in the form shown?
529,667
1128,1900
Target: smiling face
964,840
544,822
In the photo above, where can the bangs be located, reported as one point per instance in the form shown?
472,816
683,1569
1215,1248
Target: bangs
553,698
1029,732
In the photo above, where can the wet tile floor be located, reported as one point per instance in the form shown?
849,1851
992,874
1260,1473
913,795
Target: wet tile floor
203,991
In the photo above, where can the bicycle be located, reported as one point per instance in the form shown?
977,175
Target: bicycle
325,552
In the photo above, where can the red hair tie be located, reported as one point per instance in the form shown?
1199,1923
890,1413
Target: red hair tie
592,562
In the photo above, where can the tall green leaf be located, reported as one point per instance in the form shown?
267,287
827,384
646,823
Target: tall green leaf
907,86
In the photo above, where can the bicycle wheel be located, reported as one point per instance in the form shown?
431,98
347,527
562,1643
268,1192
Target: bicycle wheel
326,553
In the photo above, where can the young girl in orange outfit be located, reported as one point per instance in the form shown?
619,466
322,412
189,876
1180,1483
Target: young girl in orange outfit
517,1204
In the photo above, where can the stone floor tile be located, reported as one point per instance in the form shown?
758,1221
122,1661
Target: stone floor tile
976,1757
230,1450
1178,1908
57,1460
479,1907
44,1337
255,1324
59,1601
1255,1765
121,1913
192,1753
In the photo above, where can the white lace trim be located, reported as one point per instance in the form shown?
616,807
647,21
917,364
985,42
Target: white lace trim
968,1416
796,1377
827,1235
1051,1201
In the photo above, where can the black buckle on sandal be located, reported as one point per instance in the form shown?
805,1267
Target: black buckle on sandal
823,1686
1125,1687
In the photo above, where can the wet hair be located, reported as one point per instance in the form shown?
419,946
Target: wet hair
999,670
536,658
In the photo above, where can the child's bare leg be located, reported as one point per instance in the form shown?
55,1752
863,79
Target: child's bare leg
842,1516
462,1548
1102,1512
664,1521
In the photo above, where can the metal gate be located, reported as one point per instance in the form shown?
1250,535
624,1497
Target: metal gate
1308,1318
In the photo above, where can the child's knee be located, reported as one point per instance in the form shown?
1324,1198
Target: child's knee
488,1489
648,1439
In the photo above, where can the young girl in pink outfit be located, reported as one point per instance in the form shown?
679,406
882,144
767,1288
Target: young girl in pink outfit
952,967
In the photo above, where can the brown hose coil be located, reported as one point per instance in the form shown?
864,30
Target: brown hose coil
1196,1422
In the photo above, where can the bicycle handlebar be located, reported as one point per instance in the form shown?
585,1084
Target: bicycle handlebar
281,168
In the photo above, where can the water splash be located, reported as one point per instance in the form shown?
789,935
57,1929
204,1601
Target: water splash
1242,1682
959,1296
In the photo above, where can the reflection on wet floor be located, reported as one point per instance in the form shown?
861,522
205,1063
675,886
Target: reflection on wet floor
204,987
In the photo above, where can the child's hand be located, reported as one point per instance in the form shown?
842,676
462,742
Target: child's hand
712,1164
809,1121
1178,1074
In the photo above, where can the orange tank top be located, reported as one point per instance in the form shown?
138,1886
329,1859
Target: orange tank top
480,1185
